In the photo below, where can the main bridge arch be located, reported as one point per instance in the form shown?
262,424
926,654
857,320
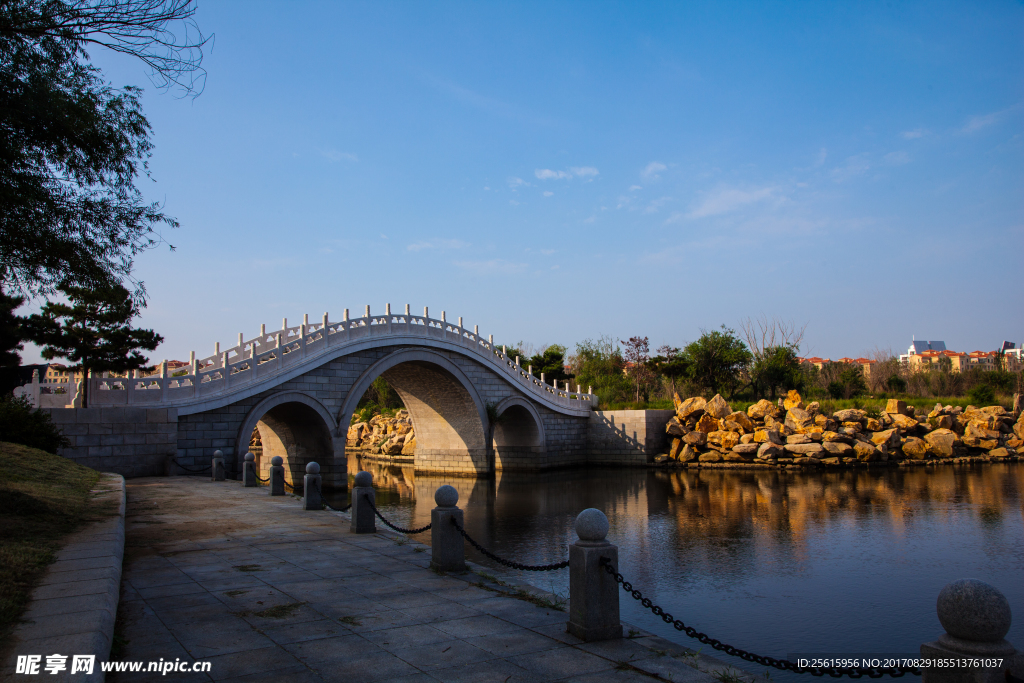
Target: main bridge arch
447,411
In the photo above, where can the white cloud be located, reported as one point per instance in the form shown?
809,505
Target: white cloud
724,200
548,193
854,166
584,171
657,204
547,252
437,244
383,236
334,155
896,158
492,267
548,174
976,123
913,134
633,188
653,169
515,183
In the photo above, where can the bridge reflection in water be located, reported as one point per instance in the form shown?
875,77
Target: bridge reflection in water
846,562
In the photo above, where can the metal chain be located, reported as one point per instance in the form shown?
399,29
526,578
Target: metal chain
324,501
396,528
288,485
191,469
508,563
784,664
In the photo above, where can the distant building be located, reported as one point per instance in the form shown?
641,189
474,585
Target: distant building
863,363
815,361
924,355
918,347
58,373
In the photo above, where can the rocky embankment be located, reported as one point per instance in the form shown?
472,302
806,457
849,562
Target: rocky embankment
384,435
791,433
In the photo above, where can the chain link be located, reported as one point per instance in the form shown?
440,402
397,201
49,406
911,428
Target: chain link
324,500
784,664
509,563
396,528
191,469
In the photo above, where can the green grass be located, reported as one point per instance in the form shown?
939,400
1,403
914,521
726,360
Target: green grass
43,498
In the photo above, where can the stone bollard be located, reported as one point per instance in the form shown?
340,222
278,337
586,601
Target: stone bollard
446,544
276,476
363,520
977,618
311,483
217,467
249,471
593,592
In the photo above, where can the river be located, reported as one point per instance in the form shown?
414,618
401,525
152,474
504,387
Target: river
775,562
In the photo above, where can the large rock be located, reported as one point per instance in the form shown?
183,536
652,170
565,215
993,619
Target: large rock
696,438
866,452
798,438
676,449
850,415
746,448
872,424
769,451
742,420
896,407
1018,428
792,400
675,427
688,454
799,420
713,456
691,406
706,424
915,448
717,407
904,422
734,456
726,440
941,442
767,436
803,448
759,410
838,449
889,438
999,453
836,437
730,426
410,446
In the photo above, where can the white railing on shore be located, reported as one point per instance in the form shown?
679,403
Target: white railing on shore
273,353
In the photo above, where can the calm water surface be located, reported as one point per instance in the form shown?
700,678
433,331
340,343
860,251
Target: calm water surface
846,562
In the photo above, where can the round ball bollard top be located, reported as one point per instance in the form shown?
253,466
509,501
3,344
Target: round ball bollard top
218,454
313,468
591,525
277,460
446,496
364,479
249,457
973,610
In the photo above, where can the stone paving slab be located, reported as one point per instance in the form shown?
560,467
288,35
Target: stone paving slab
282,594
73,608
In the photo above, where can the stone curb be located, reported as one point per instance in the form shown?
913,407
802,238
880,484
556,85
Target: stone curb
72,610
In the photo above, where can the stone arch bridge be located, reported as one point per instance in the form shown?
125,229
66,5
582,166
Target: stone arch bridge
298,386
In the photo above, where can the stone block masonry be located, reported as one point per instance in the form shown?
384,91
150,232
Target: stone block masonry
626,437
132,442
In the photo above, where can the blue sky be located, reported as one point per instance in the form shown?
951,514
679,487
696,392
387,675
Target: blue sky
559,171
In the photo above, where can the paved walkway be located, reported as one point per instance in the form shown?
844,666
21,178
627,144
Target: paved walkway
268,592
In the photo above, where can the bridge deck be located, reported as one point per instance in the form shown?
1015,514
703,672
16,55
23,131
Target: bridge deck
204,560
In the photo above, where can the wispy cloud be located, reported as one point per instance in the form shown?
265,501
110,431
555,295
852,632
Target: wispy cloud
515,183
633,188
896,158
585,171
437,244
655,205
548,174
547,193
726,199
653,169
492,267
822,155
853,167
334,155
976,123
913,134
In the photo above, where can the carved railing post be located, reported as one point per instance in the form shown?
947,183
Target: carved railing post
217,466
249,471
277,476
363,521
311,484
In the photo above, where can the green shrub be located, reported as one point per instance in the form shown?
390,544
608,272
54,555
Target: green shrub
896,384
21,423
982,395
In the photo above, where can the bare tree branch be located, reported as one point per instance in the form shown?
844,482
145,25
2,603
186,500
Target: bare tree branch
762,334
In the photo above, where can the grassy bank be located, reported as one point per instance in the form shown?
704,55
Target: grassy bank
43,498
